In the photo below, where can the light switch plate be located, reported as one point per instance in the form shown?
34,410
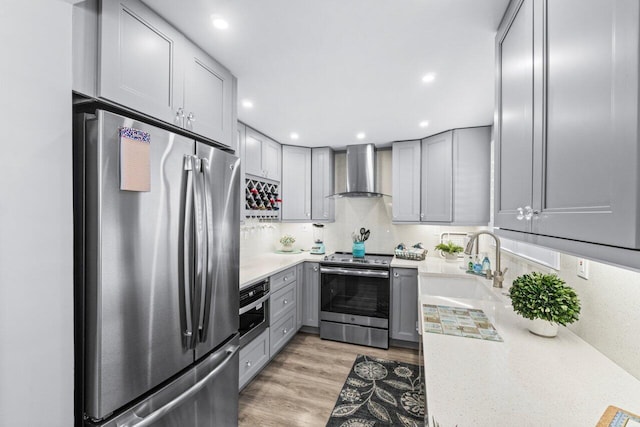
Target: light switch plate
583,268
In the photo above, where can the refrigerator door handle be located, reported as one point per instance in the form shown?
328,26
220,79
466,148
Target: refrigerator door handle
187,262
208,264
201,248
159,413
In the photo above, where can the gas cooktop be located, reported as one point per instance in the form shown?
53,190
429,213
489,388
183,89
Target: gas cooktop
347,258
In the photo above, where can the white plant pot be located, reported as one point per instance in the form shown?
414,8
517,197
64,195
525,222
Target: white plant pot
451,257
543,328
287,248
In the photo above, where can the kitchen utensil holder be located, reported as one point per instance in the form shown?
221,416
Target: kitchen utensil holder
358,250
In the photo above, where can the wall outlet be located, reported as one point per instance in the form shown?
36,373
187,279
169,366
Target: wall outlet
583,268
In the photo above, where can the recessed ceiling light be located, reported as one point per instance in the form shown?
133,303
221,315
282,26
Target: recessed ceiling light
294,135
246,103
428,78
219,22
424,123
361,135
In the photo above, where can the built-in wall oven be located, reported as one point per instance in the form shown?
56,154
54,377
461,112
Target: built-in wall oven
254,311
354,299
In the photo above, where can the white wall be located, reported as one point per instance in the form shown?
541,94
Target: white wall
36,247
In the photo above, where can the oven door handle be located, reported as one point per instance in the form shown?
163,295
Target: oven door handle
348,272
254,304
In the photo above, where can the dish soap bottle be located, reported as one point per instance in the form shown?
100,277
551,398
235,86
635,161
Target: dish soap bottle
486,264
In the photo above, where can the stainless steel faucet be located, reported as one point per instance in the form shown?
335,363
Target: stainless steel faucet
497,275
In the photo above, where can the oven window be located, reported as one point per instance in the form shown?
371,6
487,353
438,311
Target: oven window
251,319
363,296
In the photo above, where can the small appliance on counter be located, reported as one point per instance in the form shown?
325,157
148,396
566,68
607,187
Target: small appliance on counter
318,240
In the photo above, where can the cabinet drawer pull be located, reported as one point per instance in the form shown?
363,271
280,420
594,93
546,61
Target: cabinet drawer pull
285,278
248,363
285,302
284,331
315,268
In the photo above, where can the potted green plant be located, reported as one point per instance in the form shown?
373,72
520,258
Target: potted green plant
546,300
287,242
450,250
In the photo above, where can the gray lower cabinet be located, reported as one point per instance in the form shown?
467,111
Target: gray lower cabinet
282,309
282,300
405,165
322,184
311,295
404,304
299,292
147,65
578,121
296,183
253,357
281,331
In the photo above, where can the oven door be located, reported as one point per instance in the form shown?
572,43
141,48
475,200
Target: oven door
254,319
355,295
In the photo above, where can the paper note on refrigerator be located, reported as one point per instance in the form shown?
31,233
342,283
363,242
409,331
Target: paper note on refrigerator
135,163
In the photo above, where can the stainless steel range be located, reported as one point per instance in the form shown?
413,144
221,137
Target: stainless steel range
354,299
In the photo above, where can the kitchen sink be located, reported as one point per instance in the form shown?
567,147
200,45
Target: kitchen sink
466,288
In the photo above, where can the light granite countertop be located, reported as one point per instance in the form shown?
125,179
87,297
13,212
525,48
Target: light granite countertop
525,381
262,266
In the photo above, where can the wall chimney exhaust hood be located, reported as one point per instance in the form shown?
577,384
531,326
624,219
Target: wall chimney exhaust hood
361,172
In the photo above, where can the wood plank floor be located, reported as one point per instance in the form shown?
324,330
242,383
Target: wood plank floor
301,384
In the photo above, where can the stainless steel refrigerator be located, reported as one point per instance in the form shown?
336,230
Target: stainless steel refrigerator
159,278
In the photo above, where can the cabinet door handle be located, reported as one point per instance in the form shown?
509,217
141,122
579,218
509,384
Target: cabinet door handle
421,215
285,302
396,274
284,331
179,115
248,363
520,215
285,278
191,118
315,268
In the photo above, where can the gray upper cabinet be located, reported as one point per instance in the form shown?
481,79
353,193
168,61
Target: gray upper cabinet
241,135
514,160
263,156
296,183
456,175
404,304
139,66
311,295
322,184
406,177
583,130
147,65
437,178
209,100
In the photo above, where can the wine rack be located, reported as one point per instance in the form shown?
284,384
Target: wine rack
262,199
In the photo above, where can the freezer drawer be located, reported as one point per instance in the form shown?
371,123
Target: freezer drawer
203,396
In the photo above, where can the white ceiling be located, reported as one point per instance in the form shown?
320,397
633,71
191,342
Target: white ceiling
328,69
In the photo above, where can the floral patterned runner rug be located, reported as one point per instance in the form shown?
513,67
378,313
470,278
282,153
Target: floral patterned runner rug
380,392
